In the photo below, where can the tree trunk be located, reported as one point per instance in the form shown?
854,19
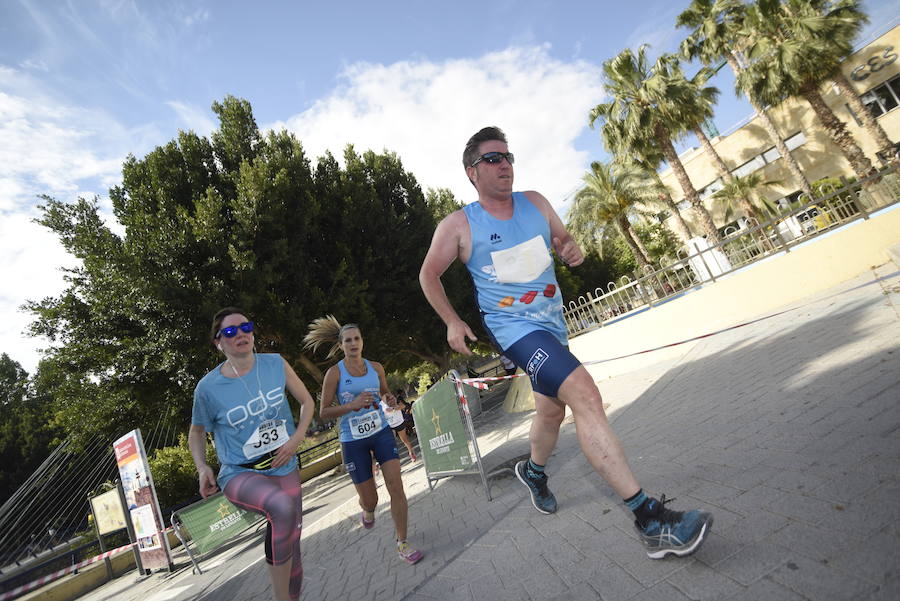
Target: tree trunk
625,231
789,160
690,193
836,129
683,229
746,206
872,126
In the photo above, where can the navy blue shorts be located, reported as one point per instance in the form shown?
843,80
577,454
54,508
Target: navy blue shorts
358,454
547,362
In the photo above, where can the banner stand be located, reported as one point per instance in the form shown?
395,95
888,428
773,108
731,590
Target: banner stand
442,416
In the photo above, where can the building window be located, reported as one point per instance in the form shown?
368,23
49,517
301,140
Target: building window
795,141
881,99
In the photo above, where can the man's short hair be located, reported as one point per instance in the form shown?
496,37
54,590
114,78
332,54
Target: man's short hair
470,154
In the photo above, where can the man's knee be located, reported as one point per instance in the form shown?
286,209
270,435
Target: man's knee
549,411
579,389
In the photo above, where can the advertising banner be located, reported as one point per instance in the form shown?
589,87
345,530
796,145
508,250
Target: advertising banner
140,497
108,511
213,521
442,435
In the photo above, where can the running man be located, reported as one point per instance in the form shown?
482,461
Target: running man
504,241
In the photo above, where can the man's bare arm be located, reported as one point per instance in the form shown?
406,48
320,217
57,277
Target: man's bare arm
444,249
565,246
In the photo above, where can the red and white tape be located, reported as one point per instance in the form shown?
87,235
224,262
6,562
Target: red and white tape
60,573
480,382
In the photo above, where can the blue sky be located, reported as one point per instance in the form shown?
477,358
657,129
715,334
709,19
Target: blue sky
84,83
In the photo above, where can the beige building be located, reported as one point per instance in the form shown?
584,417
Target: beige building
874,71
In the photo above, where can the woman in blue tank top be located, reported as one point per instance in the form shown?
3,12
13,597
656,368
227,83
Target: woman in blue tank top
356,391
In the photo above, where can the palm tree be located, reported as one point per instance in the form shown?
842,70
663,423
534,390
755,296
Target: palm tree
716,36
743,191
646,158
783,62
694,113
610,196
644,102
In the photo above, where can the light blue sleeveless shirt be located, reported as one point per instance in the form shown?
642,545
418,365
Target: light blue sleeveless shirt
243,412
512,270
365,422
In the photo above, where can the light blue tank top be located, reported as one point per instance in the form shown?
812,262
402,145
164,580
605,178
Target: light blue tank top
512,270
361,423
243,412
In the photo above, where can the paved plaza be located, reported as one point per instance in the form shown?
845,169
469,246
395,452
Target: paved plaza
787,429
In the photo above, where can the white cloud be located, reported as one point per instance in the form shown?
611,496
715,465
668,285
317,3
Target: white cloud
200,121
425,111
49,147
31,259
54,149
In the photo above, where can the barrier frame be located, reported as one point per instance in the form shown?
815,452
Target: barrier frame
478,465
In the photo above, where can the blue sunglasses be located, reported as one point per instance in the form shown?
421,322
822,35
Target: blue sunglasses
231,331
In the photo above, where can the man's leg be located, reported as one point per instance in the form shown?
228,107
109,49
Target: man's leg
662,530
544,433
545,427
598,442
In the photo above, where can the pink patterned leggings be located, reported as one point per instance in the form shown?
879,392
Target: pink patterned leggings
278,499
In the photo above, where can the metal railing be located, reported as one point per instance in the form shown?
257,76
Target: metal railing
653,286
323,449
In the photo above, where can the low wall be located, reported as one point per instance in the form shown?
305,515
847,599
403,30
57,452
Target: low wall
88,578
317,468
756,290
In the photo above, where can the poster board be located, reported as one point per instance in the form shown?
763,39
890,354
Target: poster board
141,501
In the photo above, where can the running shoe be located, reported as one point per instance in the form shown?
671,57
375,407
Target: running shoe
407,553
541,497
367,524
677,532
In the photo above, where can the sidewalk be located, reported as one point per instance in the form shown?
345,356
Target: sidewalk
787,429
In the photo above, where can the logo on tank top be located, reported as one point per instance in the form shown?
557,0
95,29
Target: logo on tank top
534,364
495,238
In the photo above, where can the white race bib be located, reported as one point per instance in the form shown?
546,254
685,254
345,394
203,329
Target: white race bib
523,262
363,426
270,435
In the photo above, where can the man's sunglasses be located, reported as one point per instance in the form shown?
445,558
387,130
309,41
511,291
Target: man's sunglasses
494,158
231,331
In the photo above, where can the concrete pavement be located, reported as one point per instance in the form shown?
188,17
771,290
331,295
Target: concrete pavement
787,429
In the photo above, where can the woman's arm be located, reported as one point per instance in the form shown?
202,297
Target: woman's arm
385,392
197,445
330,408
298,390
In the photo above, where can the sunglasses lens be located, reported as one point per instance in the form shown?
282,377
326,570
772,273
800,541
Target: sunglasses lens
246,327
497,157
229,332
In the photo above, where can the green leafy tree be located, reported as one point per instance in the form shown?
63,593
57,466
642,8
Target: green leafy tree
25,437
241,219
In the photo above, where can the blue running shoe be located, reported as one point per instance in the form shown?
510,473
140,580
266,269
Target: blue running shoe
665,531
541,497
